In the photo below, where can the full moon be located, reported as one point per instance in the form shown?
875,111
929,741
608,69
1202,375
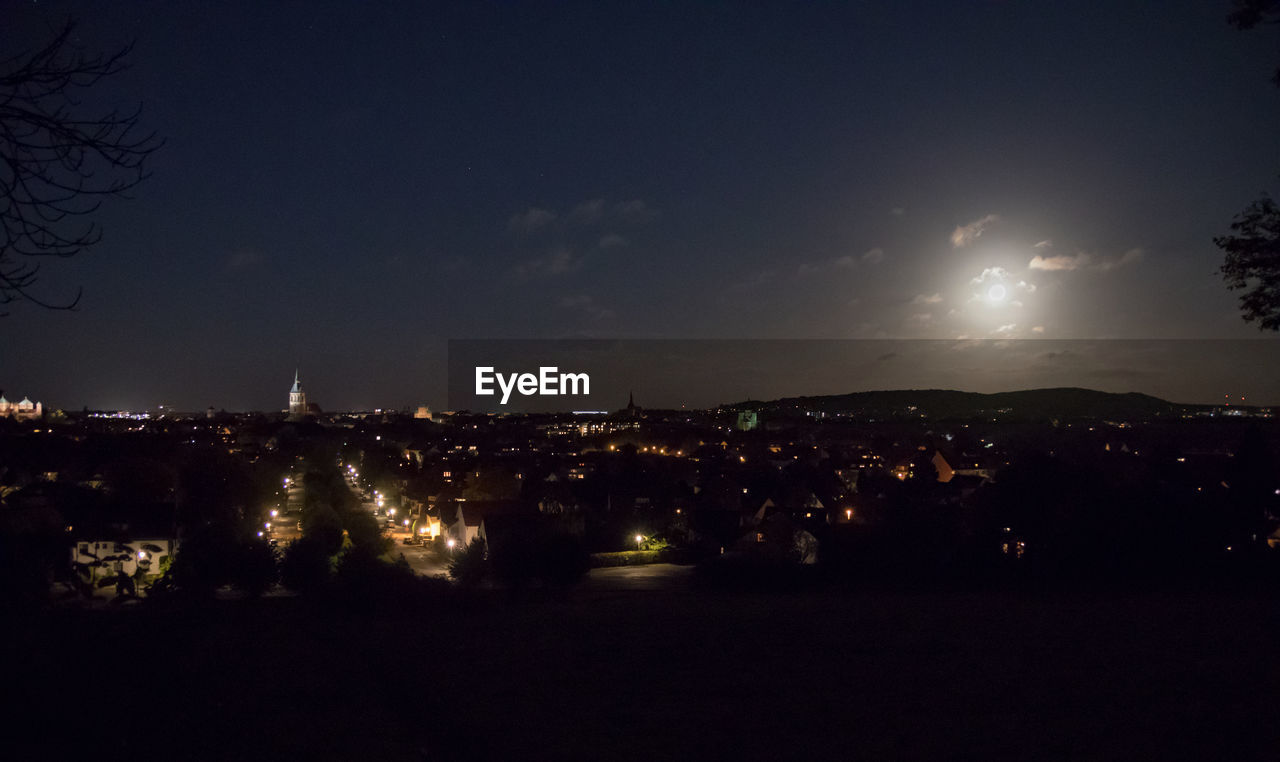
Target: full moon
996,293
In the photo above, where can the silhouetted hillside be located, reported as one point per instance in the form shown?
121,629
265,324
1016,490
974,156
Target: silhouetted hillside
936,404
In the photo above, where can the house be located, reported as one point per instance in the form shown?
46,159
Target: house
99,558
469,517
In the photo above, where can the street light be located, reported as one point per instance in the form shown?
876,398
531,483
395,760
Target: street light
449,543
639,540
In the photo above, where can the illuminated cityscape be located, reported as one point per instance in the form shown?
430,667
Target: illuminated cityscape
696,381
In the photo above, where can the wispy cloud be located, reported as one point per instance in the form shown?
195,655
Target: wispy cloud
753,281
1006,331
927,299
635,212
1132,256
1084,261
586,305
243,259
587,212
1059,262
558,261
531,219
595,211
967,234
990,274
873,256
845,262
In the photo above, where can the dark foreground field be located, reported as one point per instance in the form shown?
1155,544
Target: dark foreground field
674,675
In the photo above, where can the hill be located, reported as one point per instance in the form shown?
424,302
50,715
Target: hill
941,404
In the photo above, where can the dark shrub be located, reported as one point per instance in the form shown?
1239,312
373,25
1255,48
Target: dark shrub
470,565
306,565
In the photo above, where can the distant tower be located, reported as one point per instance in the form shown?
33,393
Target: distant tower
297,400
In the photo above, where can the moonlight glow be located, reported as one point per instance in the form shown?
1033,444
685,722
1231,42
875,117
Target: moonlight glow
996,293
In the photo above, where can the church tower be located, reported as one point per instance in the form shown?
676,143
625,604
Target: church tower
297,400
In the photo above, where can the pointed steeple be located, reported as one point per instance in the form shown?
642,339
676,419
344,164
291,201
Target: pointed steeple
296,386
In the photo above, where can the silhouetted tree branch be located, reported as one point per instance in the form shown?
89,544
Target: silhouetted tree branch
1252,262
1251,13
56,165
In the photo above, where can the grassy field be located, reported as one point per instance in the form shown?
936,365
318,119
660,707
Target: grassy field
678,675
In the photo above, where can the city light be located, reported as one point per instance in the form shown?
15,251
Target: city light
449,543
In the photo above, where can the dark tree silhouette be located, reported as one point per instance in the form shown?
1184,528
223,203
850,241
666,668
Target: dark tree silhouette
57,164
1253,250
1251,13
1252,262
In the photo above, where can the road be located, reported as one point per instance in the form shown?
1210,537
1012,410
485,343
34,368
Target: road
647,577
420,559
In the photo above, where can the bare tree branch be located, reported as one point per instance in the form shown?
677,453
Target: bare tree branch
56,166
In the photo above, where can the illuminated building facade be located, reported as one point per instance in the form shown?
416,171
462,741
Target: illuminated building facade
26,410
297,400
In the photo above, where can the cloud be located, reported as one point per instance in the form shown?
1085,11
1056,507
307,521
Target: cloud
873,256
612,241
1045,244
927,299
531,220
1083,261
998,274
845,262
558,261
1059,262
243,259
1006,330
1037,329
587,212
635,212
586,305
753,281
967,234
920,318
1132,256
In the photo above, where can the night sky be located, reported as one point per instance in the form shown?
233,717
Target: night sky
345,187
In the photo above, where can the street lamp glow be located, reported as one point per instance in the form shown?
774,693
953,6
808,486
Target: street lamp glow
449,543
639,540
406,522
274,513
